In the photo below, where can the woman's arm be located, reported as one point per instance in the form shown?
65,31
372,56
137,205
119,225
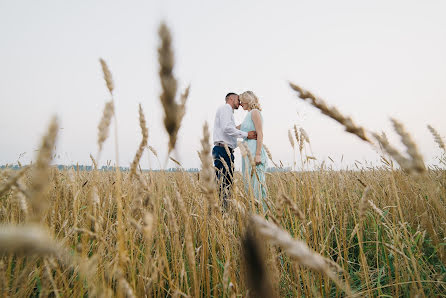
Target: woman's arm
255,115
238,126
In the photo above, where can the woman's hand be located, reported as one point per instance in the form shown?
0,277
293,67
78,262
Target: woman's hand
258,159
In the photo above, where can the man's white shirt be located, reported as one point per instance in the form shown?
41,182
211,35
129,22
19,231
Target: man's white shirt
224,127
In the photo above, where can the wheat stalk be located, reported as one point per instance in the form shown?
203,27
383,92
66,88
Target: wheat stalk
189,241
49,275
4,287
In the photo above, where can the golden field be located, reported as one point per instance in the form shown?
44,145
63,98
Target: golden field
169,240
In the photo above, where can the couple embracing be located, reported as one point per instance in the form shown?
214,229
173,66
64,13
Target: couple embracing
225,137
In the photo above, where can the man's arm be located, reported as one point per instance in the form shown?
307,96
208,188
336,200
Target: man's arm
227,119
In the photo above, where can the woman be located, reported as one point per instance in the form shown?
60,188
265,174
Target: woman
254,121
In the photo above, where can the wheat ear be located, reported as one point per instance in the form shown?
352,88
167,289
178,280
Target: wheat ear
305,135
297,249
331,112
175,161
250,157
153,150
438,139
107,76
173,112
182,105
95,164
26,241
123,284
104,125
415,163
207,170
290,138
270,156
296,133
399,158
118,194
142,145
412,149
40,172
363,204
293,207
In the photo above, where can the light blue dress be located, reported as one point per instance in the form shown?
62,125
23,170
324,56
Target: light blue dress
250,178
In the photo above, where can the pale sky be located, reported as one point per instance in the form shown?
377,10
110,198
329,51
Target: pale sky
371,59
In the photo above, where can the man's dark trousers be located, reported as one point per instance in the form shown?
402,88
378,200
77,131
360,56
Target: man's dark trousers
224,177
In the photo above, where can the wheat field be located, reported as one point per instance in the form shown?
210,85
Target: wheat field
372,231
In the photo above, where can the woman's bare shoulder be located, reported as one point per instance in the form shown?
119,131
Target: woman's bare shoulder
255,113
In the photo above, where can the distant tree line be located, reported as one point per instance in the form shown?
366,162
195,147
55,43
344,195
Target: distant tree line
124,169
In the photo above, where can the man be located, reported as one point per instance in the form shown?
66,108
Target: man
225,135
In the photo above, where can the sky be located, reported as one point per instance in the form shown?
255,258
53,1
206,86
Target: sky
371,59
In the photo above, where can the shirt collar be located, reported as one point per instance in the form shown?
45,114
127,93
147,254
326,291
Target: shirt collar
231,107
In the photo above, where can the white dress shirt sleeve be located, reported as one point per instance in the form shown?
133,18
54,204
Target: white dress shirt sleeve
228,122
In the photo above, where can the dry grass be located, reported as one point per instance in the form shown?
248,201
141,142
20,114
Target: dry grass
181,246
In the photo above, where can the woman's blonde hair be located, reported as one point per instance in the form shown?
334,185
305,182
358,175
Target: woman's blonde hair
251,99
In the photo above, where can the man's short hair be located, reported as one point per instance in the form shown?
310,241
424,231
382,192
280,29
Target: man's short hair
229,94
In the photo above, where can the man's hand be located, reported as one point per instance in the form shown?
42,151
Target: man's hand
252,135
258,160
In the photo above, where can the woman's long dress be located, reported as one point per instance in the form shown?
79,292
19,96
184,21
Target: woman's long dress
254,180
